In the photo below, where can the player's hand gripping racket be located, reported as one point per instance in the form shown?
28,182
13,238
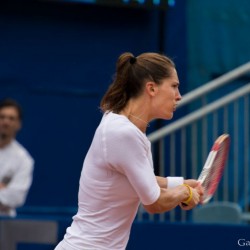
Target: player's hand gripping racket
214,166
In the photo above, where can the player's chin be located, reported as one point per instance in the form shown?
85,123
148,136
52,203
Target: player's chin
166,116
169,116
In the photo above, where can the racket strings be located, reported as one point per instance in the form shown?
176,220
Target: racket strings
212,174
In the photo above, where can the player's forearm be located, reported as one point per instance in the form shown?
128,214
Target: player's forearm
162,181
168,200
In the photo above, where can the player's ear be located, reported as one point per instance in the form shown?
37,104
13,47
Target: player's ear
151,88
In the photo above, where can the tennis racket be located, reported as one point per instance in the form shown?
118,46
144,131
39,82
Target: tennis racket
212,171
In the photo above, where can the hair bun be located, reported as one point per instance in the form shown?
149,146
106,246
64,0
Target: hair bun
132,60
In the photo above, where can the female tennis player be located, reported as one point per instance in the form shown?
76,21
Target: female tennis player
117,172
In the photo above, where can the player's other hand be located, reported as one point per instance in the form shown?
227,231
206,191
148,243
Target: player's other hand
196,185
196,199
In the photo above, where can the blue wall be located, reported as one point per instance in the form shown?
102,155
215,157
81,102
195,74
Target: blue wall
57,60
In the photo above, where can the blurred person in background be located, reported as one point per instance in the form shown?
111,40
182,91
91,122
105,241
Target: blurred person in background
118,172
16,164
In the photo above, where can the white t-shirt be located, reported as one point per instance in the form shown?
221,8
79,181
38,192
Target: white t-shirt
117,175
16,170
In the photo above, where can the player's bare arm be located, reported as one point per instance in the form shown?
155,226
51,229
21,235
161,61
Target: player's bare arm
171,198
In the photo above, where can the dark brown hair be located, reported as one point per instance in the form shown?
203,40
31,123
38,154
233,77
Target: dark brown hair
12,103
131,76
